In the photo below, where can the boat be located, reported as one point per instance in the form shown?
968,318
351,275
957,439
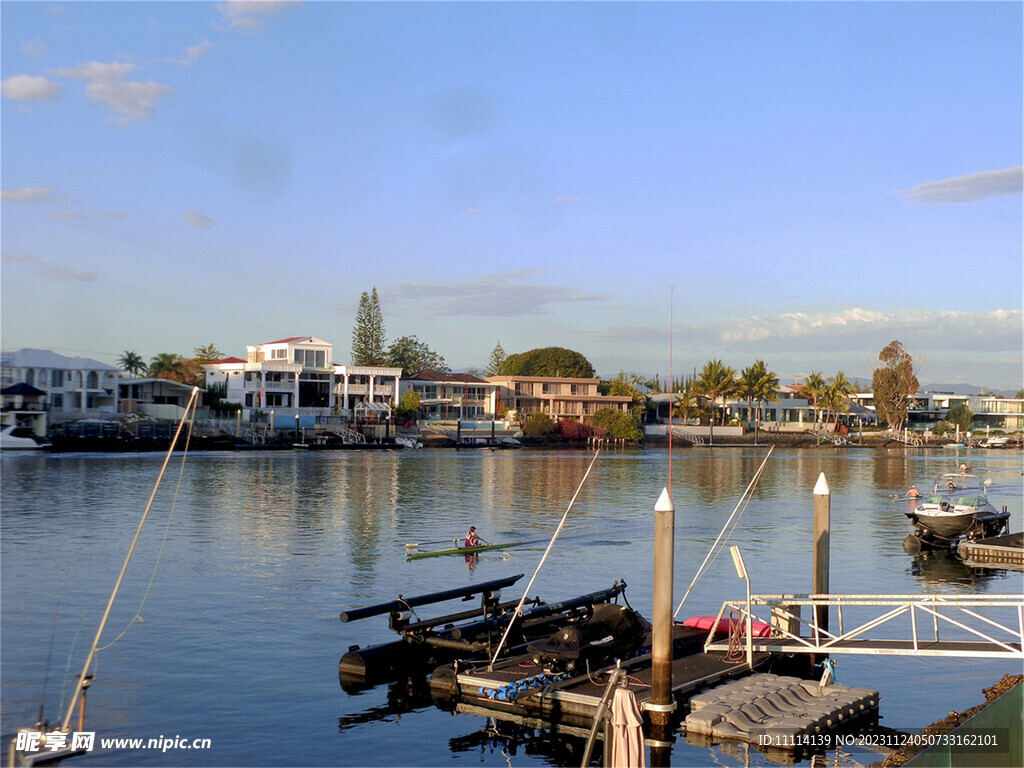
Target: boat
15,438
957,506
407,441
460,550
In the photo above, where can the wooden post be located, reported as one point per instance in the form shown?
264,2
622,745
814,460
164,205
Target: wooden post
662,704
822,525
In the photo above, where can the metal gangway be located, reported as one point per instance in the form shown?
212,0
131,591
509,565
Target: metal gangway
685,434
832,437
794,632
907,438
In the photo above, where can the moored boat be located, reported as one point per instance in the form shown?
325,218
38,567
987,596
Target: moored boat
15,438
957,506
460,550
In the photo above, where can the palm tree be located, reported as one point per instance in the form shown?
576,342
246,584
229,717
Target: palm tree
716,381
167,365
686,402
757,385
132,362
813,388
843,389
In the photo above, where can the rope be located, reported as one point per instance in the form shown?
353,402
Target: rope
708,559
53,636
737,652
163,542
561,524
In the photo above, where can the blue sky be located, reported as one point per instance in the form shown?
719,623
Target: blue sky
798,182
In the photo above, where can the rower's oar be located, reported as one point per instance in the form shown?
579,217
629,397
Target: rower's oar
506,554
415,544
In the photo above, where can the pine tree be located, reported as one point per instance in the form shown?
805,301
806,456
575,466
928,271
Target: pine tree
368,334
497,360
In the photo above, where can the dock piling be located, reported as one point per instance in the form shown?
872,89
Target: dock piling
822,526
661,704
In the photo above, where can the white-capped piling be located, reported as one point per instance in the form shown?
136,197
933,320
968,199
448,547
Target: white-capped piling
822,525
661,651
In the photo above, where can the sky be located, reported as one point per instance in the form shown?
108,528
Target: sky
654,185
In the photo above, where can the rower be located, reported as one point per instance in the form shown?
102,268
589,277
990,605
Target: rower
472,540
912,493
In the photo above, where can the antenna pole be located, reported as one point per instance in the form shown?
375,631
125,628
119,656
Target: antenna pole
671,381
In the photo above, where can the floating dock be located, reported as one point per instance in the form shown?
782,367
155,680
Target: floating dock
519,688
996,552
779,712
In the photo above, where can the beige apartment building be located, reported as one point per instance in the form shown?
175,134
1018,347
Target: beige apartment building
557,397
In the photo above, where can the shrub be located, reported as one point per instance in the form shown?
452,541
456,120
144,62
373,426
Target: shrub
538,425
570,429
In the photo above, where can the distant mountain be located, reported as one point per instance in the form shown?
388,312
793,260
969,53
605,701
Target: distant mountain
966,389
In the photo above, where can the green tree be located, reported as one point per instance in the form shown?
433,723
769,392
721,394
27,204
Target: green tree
1019,395
368,334
168,365
621,386
538,425
813,389
616,424
412,355
757,385
132,362
686,404
497,360
960,415
206,354
548,361
836,395
408,408
716,382
893,384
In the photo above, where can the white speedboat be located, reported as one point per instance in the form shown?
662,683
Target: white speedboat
15,438
958,505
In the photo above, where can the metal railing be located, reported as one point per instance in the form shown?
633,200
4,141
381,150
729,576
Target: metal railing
993,639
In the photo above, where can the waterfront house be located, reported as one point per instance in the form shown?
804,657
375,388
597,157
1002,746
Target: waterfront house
457,396
155,398
559,398
298,376
74,387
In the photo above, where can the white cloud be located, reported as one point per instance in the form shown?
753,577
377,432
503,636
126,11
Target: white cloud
506,295
566,200
974,186
193,53
251,14
857,320
30,88
29,195
34,48
108,84
57,273
197,219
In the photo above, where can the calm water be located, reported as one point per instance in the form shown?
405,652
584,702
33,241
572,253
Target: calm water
240,637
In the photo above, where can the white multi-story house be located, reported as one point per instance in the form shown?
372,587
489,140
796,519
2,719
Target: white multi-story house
298,375
75,387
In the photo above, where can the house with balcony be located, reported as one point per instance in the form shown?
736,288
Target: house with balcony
74,387
455,396
558,398
298,376
155,398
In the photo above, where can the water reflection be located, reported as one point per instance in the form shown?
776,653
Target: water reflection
946,569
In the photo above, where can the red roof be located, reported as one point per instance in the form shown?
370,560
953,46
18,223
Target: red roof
287,341
226,360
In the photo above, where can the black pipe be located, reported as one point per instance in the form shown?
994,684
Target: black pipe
547,609
402,604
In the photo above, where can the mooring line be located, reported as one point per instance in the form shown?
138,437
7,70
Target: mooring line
744,498
561,524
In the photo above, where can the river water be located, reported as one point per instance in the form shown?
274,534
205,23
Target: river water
239,637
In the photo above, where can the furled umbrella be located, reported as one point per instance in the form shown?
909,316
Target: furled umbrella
627,731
